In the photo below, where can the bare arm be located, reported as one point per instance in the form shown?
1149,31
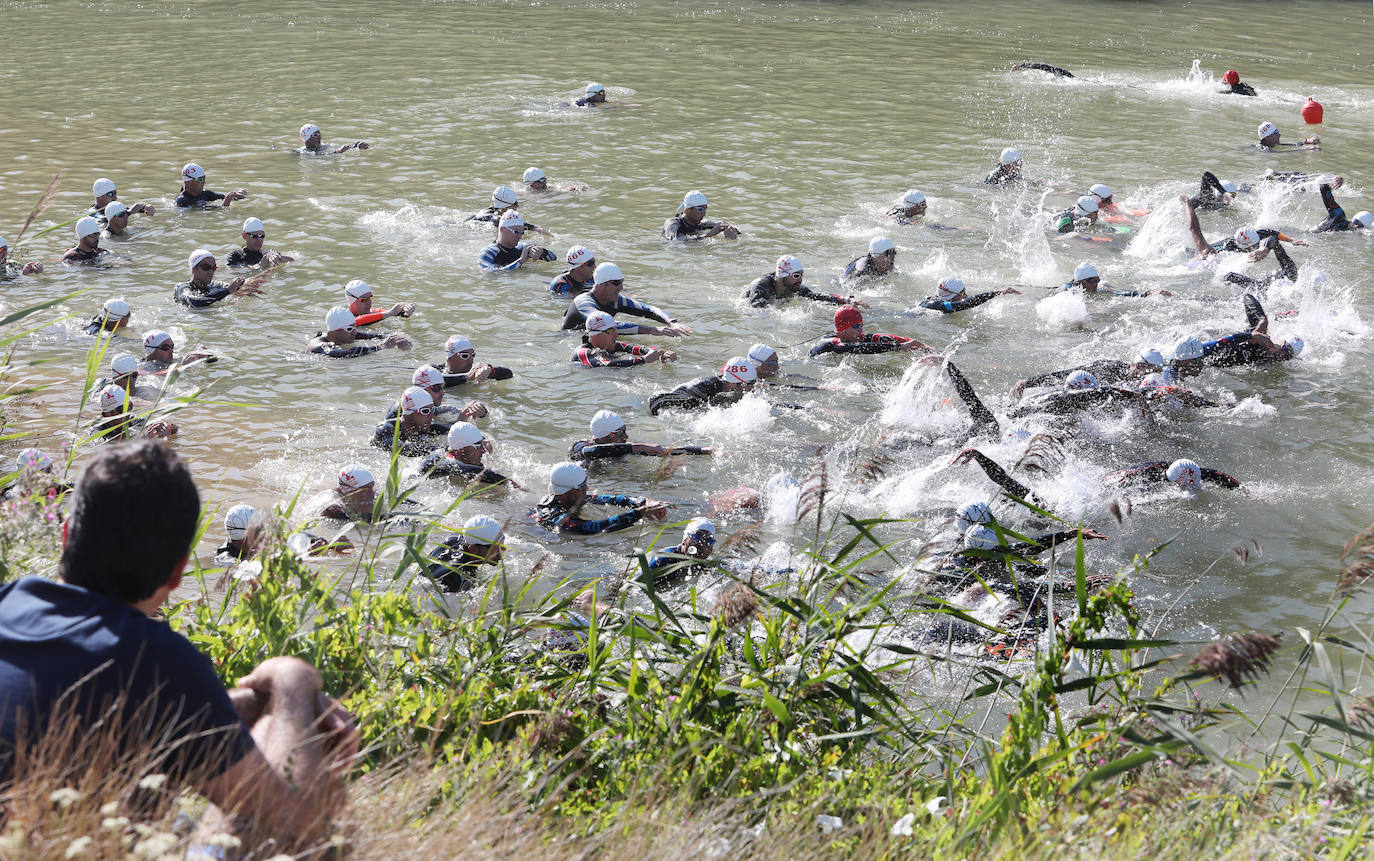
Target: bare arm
1194,228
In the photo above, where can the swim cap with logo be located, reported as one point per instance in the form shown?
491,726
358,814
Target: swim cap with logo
1247,237
112,397
154,339
599,321
738,370
457,344
970,513
1188,348
414,399
1153,381
579,254
605,423
1080,381
427,376
512,220
1231,77
236,521
787,265
192,171
1186,474
1267,129
354,476
308,131
949,287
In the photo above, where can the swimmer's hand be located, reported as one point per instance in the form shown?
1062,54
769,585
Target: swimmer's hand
479,372
148,210
649,449
965,456
1018,390
275,258
672,330
473,410
661,356
914,344
397,340
857,303
654,509
1009,291
933,361
1158,293
31,268
1091,534
1314,142
230,197
532,252
401,309
199,355
160,430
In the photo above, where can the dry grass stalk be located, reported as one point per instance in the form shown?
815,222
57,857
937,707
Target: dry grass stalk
814,491
1357,563
745,540
45,201
1044,453
1237,657
736,605
1120,509
671,465
874,467
1361,712
1244,551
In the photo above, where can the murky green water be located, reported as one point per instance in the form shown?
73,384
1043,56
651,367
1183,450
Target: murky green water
803,123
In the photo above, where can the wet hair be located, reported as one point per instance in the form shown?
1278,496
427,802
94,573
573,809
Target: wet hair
132,521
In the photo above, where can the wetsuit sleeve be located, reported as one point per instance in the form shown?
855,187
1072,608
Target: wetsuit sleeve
1064,223
1045,67
200,298
1210,347
487,261
878,343
334,352
208,196
602,450
1048,539
1211,186
236,258
369,318
1143,473
591,359
1254,311
1287,268
1051,378
1243,89
962,305
759,293
820,297
640,309
1219,478
983,419
826,346
623,520
1000,477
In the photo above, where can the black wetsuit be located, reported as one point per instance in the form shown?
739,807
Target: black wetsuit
244,257
676,566
454,380
695,395
1211,195
629,355
551,515
678,228
450,565
585,305
228,552
1153,472
81,255
338,351
194,295
10,271
868,342
565,285
97,325
936,304
861,269
763,291
984,422
1044,67
1287,268
1003,174
1240,88
1003,479
1335,216
1069,402
184,200
1069,221
411,442
1105,370
443,464
585,449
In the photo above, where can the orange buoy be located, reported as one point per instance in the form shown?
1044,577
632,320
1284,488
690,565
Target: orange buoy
1312,112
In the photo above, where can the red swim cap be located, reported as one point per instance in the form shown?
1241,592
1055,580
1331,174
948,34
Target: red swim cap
1231,77
847,317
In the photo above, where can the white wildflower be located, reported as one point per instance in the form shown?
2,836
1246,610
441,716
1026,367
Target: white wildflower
228,841
902,827
152,781
114,823
829,823
156,846
937,805
64,797
109,808
77,847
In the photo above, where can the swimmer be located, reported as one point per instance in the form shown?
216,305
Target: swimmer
114,315
1082,392
850,337
359,296
600,348
784,282
463,459
123,373
411,433
10,270
560,510
881,259
34,479
689,223
1249,237
431,379
979,512
509,252
117,420
1246,239
503,200
1041,67
104,192
1156,387
1214,193
911,208
767,366
354,498
252,253
87,248
578,279
688,558
1335,215
735,379
610,438
1183,473
337,340
237,547
453,564
1081,216
202,290
459,368
951,295
1149,361
1235,86
159,353
115,218
1252,347
1087,279
607,283
311,145
1269,139
1010,163
537,182
194,192
594,94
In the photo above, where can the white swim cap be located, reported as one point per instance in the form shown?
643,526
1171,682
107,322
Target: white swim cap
456,344
1151,356
1296,344
236,521
1085,205
1010,155
698,524
414,399
605,422
86,226
32,458
739,370
949,287
252,224
338,318
566,476
1100,191
1185,474
533,174
881,245
760,353
114,209
593,88
504,196
464,434
123,365
357,289
1247,237
1188,348
599,321
112,397
354,476
482,529
308,131
115,308
693,198
1228,185
154,339
607,272
102,187
512,220
198,256
191,170
427,376
1080,381
1267,129
1084,271
787,265
970,513
1363,218
913,198
579,254
1153,381
980,537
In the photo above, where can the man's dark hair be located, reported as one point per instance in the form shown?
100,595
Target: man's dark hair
132,521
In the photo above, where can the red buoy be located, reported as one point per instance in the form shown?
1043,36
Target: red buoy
1312,112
